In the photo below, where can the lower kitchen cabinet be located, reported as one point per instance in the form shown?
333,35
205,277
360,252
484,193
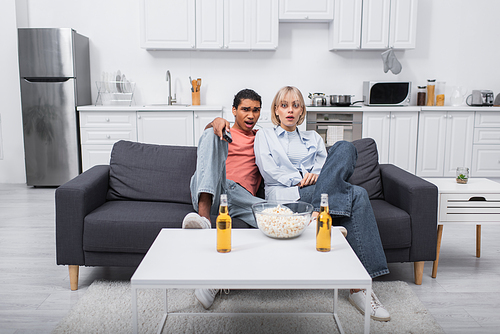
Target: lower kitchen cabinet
101,128
165,128
95,155
200,121
396,136
444,142
486,148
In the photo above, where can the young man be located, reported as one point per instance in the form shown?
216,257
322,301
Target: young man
226,168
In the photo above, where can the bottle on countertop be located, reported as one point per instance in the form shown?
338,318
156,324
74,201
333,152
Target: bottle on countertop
223,226
324,226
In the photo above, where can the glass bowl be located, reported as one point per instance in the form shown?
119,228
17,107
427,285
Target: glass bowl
282,220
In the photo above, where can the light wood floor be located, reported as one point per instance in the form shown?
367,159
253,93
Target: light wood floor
35,294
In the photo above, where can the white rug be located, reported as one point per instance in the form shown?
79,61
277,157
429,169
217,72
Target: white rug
106,308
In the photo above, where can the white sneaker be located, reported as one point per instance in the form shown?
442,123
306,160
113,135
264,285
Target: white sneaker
378,312
194,220
206,297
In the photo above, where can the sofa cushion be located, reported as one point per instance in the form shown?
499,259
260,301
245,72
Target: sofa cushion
394,225
367,171
147,172
132,226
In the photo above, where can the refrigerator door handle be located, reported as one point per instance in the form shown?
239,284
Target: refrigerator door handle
35,80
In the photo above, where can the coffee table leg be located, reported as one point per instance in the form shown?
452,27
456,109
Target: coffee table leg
438,250
478,240
335,315
368,309
164,319
134,310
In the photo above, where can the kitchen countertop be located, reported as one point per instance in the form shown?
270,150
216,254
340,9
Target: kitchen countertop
309,108
401,108
163,107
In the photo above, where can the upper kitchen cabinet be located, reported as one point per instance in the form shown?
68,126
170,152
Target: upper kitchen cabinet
168,24
345,30
311,10
237,24
373,24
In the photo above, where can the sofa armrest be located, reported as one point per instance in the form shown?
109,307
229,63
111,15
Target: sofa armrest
74,200
419,199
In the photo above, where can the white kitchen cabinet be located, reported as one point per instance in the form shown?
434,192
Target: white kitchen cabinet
165,128
93,155
201,119
373,24
444,142
265,25
312,10
168,24
209,24
395,134
345,30
375,27
403,24
99,130
237,24
486,149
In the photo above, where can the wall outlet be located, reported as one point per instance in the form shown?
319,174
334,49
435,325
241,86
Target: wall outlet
1,142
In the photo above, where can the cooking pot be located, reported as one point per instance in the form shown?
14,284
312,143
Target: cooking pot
317,99
340,100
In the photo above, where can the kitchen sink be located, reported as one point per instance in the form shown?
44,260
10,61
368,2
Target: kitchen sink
165,105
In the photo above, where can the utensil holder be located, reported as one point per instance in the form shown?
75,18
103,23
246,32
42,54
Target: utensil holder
196,98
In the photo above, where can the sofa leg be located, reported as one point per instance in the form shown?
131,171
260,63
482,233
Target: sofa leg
73,276
418,268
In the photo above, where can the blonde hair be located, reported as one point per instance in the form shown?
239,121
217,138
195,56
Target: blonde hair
280,97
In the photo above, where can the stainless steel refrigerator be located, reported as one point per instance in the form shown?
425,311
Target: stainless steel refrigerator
54,71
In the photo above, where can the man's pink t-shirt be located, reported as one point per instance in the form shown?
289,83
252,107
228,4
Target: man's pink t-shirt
240,163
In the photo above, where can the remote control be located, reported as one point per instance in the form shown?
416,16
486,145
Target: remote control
227,136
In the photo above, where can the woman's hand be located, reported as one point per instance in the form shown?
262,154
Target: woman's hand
309,179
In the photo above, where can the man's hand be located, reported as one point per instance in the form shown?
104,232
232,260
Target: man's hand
219,124
309,179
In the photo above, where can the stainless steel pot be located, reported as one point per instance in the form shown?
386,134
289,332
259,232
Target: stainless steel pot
317,99
340,100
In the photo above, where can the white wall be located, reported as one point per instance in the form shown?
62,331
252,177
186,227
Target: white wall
455,43
12,161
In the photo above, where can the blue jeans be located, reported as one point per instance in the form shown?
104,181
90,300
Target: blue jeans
210,177
349,206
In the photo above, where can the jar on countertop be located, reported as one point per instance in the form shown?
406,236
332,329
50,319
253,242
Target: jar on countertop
421,94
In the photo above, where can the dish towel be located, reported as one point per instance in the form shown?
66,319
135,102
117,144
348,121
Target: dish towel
334,133
391,62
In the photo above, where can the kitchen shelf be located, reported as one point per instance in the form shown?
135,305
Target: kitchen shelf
115,93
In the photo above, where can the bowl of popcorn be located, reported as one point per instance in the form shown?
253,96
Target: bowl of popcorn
282,220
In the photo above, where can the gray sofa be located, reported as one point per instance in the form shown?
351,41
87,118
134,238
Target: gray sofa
110,215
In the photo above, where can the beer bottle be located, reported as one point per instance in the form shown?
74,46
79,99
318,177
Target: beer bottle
223,227
324,226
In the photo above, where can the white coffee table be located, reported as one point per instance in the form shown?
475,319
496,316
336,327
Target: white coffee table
187,259
476,202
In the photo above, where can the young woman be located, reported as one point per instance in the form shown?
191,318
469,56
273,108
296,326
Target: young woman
296,166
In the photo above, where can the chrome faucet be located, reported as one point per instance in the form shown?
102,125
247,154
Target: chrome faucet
170,99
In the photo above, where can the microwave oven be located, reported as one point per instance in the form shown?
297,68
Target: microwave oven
385,93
